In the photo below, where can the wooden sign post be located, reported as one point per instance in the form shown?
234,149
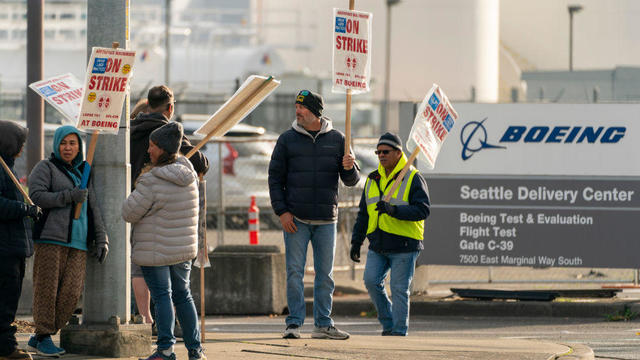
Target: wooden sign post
15,181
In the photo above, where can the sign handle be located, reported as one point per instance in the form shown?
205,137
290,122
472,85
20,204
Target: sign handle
213,132
404,170
87,170
347,125
15,181
203,254
347,119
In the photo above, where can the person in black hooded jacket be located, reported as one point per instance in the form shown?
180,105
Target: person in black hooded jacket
161,109
15,238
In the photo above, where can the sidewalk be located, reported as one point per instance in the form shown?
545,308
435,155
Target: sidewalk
272,346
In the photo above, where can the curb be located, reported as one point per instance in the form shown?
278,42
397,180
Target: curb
350,307
578,352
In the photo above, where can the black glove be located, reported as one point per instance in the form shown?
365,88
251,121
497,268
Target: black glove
355,253
79,195
384,207
102,249
34,212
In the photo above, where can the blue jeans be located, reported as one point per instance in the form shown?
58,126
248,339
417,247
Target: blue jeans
323,242
393,315
169,284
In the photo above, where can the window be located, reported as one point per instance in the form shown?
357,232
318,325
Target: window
4,34
67,16
50,16
19,34
49,34
68,34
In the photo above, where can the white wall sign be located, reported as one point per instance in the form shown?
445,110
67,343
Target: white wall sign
537,185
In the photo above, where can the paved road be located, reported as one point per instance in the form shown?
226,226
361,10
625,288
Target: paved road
609,340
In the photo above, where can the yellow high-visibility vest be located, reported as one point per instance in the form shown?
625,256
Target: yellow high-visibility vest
389,224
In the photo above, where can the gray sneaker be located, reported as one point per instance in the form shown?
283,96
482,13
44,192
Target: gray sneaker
292,332
330,332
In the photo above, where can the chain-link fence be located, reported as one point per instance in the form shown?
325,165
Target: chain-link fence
244,173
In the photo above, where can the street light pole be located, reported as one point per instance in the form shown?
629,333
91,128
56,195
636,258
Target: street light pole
572,9
167,42
387,69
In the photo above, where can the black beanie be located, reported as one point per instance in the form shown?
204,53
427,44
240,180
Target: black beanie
390,139
311,101
168,137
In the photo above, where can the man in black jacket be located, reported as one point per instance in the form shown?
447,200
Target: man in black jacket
305,166
395,230
161,109
15,239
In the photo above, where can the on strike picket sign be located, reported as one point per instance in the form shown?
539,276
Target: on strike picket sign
351,51
106,85
432,124
63,92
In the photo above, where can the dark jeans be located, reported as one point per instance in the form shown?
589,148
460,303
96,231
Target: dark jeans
11,275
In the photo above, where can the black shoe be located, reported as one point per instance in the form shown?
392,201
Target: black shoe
386,333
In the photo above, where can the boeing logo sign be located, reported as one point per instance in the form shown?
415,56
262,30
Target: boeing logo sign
473,136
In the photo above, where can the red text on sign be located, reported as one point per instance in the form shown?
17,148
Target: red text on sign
60,86
113,65
436,124
353,26
68,96
107,83
350,44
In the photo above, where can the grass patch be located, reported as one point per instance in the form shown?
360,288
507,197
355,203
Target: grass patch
623,315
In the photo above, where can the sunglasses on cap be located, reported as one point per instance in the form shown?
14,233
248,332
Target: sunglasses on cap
378,152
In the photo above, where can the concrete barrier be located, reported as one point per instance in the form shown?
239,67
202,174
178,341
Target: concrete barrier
243,280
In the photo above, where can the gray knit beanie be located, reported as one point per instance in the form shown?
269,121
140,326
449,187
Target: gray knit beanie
390,139
168,137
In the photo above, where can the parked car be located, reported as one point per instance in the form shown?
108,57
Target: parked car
244,152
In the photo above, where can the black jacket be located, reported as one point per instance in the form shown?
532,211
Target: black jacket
382,241
304,172
15,227
141,128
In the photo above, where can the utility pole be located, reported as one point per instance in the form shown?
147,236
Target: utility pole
167,42
387,70
572,9
35,72
105,328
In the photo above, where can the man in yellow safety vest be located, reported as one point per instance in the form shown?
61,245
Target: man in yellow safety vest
395,230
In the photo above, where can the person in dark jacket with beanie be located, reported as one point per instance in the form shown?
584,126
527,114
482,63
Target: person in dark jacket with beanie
61,241
395,230
15,239
306,164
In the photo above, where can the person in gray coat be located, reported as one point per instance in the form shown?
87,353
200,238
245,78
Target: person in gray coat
163,209
62,242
